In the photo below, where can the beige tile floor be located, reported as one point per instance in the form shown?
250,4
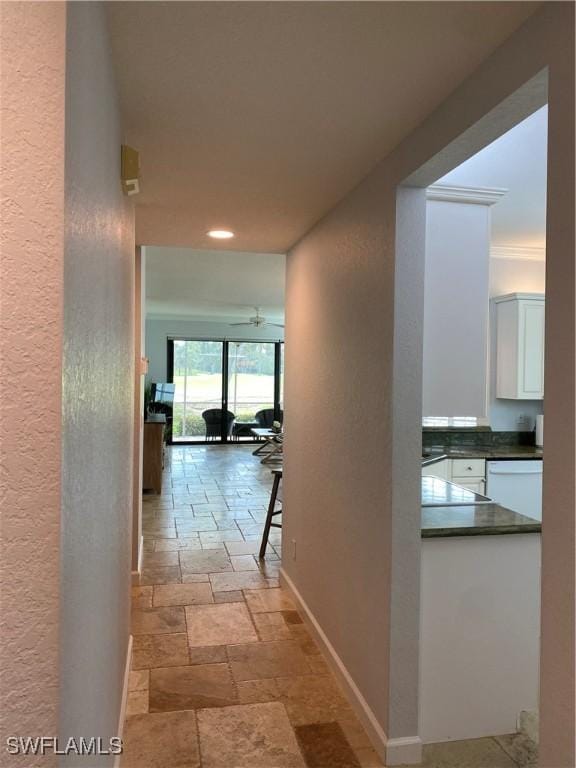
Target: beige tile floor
224,673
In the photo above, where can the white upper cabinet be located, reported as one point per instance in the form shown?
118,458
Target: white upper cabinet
520,346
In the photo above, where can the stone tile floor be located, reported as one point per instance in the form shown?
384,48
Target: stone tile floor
224,673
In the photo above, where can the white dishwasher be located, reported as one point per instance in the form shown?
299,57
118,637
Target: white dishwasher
516,485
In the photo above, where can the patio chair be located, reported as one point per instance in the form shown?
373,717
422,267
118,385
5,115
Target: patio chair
265,418
213,419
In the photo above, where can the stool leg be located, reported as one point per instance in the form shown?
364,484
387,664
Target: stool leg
269,516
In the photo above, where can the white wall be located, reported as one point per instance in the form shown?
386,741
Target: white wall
98,391
343,502
456,309
511,276
517,276
139,383
159,330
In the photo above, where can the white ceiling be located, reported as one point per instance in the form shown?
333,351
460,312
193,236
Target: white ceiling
517,162
225,285
214,285
260,116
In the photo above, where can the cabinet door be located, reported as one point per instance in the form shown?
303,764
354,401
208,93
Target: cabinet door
531,362
468,468
520,347
478,484
439,469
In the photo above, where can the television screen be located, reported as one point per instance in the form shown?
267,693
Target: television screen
163,393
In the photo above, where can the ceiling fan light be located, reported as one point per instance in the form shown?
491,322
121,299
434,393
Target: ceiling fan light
220,234
259,321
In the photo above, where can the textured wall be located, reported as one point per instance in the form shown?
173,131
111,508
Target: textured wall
139,353
345,495
98,387
32,172
340,282
557,668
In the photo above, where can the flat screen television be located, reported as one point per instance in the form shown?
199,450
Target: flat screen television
163,393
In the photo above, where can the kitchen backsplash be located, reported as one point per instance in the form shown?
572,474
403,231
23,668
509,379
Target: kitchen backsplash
474,436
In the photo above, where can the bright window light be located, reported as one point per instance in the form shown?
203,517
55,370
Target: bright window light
453,421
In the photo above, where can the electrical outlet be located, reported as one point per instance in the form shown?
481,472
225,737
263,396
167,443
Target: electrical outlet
523,421
293,549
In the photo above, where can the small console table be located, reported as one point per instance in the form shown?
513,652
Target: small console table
153,463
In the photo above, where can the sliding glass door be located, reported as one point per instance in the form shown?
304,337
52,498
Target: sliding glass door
251,379
197,373
224,389
280,378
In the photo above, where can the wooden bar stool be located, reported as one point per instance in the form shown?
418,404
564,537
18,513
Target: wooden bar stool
271,512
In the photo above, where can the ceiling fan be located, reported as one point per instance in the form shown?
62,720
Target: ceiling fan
259,321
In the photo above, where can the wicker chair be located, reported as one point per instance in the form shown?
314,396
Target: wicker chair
265,418
214,419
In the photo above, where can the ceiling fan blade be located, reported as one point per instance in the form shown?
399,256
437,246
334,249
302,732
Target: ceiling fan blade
276,325
240,324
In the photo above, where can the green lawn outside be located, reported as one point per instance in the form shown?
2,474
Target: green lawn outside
206,386
247,394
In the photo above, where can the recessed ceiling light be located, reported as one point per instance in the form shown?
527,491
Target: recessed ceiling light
220,234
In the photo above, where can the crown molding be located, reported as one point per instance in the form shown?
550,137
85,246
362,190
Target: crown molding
523,252
471,195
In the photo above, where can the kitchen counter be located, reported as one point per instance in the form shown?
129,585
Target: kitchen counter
500,452
480,590
485,519
437,492
480,621
450,510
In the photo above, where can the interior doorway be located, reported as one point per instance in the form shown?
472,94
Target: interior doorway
410,270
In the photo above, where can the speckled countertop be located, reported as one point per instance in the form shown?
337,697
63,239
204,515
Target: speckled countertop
470,518
475,520
501,452
437,492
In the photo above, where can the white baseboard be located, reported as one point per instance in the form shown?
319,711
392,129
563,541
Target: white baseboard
528,724
124,701
136,574
391,751
404,751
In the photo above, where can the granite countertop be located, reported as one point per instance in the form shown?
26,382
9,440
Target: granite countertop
437,492
502,452
450,510
474,520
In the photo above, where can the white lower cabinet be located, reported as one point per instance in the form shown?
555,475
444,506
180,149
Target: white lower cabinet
478,485
468,473
438,469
